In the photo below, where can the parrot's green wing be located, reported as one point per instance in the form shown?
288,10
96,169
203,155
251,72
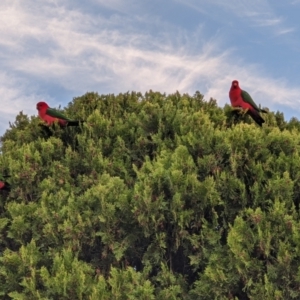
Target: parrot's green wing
56,114
247,98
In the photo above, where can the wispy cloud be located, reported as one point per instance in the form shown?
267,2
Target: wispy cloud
285,31
258,12
268,22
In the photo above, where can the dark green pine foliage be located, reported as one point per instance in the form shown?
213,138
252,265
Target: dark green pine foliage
155,196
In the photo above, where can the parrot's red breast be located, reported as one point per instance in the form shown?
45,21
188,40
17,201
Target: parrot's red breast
235,96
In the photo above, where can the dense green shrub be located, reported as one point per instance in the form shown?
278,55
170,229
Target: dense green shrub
155,197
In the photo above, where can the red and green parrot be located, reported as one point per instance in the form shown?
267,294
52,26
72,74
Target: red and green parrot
4,186
50,116
242,100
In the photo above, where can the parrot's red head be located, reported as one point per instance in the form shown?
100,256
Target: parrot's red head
42,105
235,84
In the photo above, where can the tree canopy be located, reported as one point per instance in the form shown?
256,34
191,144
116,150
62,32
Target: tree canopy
155,196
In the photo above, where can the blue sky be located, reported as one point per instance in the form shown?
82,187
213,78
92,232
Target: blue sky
54,50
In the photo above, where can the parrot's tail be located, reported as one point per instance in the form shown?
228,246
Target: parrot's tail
74,123
256,117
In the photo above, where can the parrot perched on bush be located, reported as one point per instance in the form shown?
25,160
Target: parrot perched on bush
50,115
4,186
243,100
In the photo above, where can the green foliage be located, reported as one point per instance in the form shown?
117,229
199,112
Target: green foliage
155,196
